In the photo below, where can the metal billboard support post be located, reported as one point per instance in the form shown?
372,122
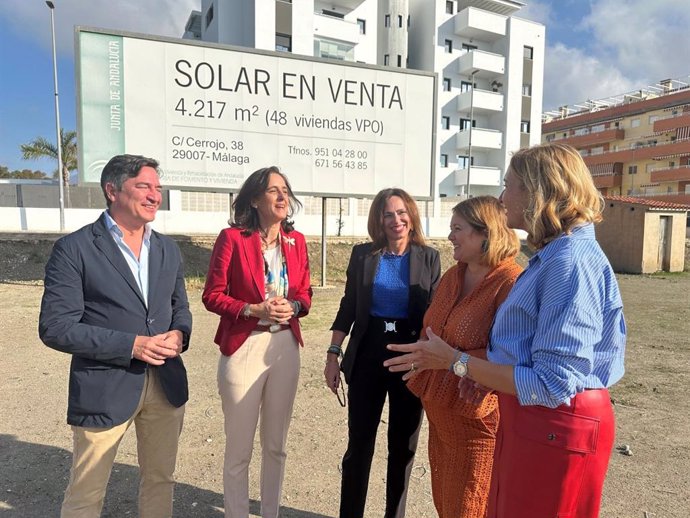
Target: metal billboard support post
323,241
51,6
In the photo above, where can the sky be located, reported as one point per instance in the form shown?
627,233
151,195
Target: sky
594,49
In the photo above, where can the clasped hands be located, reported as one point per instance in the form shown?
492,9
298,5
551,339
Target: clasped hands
278,309
154,350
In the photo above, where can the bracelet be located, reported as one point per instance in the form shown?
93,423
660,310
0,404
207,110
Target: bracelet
296,307
335,349
246,311
457,355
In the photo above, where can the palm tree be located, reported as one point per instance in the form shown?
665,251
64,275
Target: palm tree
42,148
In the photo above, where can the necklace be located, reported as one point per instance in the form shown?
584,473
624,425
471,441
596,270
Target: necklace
266,243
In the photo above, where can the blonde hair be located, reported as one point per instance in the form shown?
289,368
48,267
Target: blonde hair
375,221
485,214
561,191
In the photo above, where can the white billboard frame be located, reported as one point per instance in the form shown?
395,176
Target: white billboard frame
392,112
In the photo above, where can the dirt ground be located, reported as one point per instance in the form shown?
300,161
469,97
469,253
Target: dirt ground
651,403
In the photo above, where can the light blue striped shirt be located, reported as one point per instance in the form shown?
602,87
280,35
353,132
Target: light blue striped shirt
562,324
139,268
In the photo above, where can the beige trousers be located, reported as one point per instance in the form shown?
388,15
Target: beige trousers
259,379
158,425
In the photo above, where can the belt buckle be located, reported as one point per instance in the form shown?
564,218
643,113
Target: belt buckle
389,327
274,328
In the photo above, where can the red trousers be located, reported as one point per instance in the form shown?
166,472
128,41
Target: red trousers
551,462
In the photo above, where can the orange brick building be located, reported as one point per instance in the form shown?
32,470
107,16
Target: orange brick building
635,144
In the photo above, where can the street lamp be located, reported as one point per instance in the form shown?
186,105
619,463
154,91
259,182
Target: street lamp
51,6
469,143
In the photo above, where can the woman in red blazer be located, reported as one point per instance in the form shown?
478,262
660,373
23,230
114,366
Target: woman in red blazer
258,282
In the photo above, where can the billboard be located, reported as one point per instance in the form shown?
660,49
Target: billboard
213,114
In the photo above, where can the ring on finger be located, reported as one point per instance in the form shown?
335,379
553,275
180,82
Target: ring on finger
413,367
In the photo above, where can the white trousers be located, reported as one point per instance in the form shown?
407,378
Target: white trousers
259,379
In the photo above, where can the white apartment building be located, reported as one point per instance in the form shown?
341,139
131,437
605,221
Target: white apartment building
489,63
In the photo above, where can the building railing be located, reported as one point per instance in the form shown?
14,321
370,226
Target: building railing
668,167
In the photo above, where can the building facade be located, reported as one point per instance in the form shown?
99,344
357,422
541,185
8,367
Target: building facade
489,65
635,144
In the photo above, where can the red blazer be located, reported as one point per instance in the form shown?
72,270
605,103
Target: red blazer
236,277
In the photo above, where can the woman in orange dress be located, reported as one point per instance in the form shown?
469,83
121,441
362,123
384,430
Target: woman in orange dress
462,430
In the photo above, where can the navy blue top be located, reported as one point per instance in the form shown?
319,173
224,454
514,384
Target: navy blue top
389,297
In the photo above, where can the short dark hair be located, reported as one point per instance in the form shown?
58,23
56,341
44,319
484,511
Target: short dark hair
245,216
375,221
120,168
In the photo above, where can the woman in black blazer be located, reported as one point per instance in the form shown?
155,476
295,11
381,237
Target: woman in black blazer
390,282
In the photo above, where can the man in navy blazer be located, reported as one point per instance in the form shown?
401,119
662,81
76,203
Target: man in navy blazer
115,300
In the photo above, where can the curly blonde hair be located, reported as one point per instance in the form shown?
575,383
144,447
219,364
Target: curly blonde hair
561,191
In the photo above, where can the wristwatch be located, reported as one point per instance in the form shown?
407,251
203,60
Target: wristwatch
460,366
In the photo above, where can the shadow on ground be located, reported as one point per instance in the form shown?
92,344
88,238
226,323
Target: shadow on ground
34,476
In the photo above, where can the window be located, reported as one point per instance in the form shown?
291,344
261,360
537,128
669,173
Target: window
632,169
466,47
209,16
465,86
387,20
550,138
334,14
581,131
528,52
283,43
444,160
449,7
386,59
400,20
596,150
527,90
464,161
445,122
446,84
333,49
362,26
635,123
524,126
399,61
465,124
598,128
449,45
654,118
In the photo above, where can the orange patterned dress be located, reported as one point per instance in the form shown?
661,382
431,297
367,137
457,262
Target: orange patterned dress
462,436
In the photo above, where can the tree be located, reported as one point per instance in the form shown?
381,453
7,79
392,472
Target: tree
42,148
23,174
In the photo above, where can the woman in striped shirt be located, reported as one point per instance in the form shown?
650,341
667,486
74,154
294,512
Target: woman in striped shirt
556,345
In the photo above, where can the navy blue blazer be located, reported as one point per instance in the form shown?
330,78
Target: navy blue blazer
425,273
93,309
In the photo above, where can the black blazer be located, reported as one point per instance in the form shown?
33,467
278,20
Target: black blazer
425,272
92,309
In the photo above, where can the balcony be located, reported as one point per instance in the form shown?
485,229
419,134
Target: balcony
632,153
593,138
672,123
607,175
473,23
670,174
333,28
483,100
487,64
481,139
479,175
